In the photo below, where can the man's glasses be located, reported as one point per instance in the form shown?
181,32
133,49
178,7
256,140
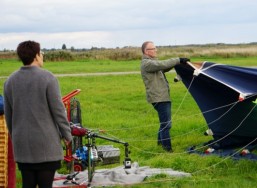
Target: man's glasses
151,49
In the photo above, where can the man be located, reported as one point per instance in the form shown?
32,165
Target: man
157,89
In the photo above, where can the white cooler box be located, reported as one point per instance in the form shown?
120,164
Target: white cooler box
109,154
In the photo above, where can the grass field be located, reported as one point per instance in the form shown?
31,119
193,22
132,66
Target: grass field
89,66
116,104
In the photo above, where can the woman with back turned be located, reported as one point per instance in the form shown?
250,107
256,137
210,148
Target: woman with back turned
36,118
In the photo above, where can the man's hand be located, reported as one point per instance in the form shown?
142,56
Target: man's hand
66,142
184,60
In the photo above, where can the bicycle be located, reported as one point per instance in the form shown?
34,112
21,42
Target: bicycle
89,154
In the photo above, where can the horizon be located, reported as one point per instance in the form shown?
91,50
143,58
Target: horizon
158,46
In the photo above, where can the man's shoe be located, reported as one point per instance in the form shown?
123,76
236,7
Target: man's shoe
168,149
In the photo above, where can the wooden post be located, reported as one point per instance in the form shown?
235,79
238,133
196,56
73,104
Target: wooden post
11,165
7,164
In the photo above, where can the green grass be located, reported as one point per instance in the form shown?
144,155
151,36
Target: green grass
236,61
117,105
8,66
89,66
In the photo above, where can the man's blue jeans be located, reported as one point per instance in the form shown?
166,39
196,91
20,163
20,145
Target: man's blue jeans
164,113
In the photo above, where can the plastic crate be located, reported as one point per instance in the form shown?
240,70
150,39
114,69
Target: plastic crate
110,155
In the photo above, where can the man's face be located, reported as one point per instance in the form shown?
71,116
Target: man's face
151,50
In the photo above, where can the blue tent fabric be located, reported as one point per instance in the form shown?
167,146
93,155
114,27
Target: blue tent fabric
225,94
241,79
1,105
233,154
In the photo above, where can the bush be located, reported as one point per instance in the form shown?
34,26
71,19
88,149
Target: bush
134,53
58,56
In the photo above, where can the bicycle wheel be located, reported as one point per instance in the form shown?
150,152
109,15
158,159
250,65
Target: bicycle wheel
90,166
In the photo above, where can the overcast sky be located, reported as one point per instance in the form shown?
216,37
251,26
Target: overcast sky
119,23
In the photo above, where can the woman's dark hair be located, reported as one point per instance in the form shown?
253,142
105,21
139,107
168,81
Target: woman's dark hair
27,51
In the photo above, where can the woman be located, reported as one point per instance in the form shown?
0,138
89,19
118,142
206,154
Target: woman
36,118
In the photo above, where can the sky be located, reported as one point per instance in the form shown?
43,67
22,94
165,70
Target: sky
120,23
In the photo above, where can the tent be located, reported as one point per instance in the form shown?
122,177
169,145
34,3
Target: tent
226,96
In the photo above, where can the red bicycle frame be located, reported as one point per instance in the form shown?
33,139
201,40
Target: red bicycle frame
66,101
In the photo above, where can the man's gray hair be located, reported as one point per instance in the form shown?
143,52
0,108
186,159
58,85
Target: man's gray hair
144,46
